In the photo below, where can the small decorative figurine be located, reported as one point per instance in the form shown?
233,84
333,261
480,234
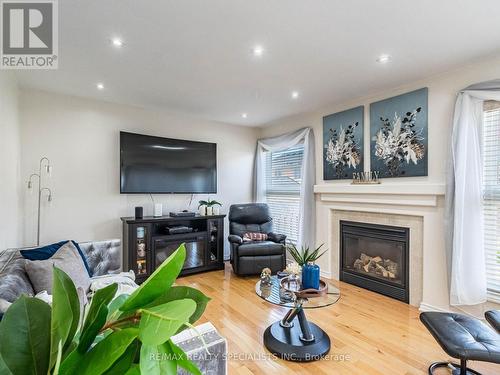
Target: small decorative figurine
265,276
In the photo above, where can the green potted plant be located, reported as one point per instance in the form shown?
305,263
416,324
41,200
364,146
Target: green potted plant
306,259
208,206
304,255
115,336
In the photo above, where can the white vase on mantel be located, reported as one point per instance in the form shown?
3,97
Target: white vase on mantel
210,211
202,210
215,210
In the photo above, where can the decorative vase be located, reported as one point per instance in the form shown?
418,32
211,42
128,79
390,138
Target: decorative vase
310,276
202,210
215,210
210,210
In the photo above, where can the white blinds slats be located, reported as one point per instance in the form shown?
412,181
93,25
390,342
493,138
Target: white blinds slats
491,197
283,179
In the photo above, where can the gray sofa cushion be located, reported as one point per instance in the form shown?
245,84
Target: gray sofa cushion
67,259
13,279
103,257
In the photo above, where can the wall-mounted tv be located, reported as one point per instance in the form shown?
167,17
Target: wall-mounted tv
156,165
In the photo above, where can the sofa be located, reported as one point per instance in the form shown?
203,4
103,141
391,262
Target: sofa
250,257
103,258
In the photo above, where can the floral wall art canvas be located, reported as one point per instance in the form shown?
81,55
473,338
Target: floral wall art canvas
398,130
343,144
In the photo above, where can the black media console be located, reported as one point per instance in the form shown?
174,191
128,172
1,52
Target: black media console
147,242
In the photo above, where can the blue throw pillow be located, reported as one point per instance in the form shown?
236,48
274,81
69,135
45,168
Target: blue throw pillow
45,252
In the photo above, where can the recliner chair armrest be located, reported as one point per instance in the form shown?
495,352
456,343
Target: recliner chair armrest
275,237
235,239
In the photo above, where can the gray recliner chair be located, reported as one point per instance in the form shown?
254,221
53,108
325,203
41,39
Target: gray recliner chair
249,258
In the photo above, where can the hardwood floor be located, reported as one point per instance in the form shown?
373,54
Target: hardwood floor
371,334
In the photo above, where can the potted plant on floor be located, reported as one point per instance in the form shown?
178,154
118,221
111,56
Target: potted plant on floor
126,335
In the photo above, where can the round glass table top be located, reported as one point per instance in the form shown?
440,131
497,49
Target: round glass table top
276,295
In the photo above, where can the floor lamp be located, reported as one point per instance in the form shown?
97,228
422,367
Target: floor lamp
48,169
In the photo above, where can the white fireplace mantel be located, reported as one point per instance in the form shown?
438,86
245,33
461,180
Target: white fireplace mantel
416,194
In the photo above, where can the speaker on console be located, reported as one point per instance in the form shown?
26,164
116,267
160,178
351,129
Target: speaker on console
138,212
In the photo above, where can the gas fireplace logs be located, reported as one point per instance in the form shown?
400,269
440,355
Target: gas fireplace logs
383,267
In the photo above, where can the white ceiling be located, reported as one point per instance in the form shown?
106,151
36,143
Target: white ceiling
195,55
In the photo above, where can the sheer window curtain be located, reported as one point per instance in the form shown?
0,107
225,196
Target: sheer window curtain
305,136
464,214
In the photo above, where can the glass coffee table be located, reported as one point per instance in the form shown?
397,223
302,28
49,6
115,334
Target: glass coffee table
294,338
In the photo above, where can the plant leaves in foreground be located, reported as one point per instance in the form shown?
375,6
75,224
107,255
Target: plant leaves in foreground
25,336
160,322
159,281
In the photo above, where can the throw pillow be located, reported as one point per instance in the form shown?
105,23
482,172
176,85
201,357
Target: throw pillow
67,259
254,236
45,252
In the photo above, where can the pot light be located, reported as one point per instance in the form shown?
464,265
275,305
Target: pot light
100,86
244,115
258,51
295,94
384,59
117,42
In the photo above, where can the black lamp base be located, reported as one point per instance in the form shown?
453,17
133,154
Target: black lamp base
289,344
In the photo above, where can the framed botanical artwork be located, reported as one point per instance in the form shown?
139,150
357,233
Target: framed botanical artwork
398,130
343,144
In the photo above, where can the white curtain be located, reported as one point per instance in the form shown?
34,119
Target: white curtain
307,217
464,214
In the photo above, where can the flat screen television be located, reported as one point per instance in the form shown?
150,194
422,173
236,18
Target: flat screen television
156,165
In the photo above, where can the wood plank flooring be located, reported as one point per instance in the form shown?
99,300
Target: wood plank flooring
371,334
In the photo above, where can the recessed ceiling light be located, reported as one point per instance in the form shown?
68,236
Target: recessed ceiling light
117,42
258,51
295,94
100,86
244,115
384,59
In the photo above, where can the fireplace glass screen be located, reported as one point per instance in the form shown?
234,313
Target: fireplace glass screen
375,257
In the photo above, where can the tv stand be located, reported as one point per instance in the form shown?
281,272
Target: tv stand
147,243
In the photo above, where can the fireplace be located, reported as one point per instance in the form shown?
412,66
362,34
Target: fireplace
375,257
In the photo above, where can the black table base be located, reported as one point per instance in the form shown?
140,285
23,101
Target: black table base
294,338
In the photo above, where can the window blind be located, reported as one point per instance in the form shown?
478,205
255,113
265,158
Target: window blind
491,196
283,179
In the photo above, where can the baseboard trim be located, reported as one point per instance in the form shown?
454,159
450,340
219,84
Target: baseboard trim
424,307
326,275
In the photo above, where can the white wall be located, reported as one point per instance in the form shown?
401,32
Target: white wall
442,93
9,162
81,138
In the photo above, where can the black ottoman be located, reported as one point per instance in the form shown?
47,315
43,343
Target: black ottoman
464,338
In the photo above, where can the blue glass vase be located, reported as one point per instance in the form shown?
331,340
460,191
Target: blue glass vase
310,276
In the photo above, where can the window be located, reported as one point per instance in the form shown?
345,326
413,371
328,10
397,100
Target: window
283,179
491,196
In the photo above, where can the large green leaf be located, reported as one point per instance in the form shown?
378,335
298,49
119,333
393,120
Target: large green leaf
182,359
160,322
115,305
25,336
157,360
102,356
182,292
65,313
134,370
70,364
4,370
158,283
96,318
123,363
